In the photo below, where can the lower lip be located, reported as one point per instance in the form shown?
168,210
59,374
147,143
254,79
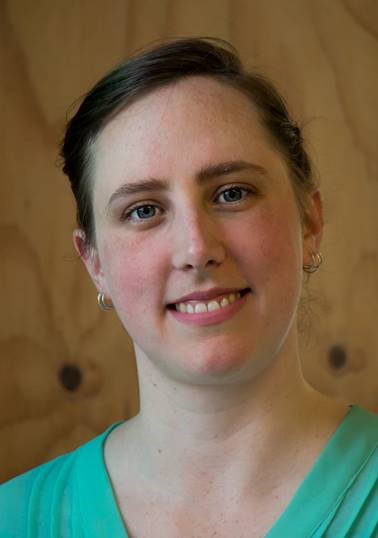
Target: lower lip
210,318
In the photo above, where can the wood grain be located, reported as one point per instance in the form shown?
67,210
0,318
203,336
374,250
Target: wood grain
67,370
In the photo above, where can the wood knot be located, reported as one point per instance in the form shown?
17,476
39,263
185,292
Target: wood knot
337,356
70,377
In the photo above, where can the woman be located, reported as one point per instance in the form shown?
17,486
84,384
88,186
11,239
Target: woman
198,218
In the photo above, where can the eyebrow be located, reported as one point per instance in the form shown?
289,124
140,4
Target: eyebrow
203,176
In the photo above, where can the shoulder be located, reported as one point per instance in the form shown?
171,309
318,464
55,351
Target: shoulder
354,453
355,510
30,496
40,477
362,431
339,496
47,496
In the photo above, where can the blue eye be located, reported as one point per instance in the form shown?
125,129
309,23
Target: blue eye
232,195
145,211
141,213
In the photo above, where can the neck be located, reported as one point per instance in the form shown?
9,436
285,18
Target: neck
226,434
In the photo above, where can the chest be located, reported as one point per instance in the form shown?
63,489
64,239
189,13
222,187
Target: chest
150,518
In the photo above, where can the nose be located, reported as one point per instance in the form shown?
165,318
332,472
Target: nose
197,244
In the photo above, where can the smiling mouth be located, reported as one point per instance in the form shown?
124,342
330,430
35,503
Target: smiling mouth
202,307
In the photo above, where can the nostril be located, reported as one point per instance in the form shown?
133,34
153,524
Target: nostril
198,253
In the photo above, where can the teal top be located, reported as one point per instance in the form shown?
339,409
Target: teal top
72,496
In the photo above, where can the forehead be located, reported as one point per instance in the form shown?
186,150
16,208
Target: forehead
172,106
179,128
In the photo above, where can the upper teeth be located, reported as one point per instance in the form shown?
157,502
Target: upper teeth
209,306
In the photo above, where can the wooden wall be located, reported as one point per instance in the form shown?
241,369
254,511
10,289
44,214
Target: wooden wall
66,368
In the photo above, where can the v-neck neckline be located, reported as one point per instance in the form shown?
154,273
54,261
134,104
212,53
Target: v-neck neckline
97,502
96,495
332,474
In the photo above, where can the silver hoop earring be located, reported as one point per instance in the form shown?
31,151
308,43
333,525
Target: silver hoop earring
102,302
316,261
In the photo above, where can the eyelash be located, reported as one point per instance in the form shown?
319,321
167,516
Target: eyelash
245,192
127,215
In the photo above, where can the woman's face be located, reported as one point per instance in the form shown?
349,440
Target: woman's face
199,243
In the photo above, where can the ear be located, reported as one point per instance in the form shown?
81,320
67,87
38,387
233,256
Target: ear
312,226
90,258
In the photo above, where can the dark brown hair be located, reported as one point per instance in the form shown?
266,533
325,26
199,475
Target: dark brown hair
161,65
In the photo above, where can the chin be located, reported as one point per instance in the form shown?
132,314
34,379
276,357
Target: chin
215,365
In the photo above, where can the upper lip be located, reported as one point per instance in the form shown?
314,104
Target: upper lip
206,295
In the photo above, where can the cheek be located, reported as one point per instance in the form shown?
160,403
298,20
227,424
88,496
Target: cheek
134,270
269,237
281,244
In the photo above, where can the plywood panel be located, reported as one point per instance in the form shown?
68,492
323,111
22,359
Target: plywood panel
67,369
